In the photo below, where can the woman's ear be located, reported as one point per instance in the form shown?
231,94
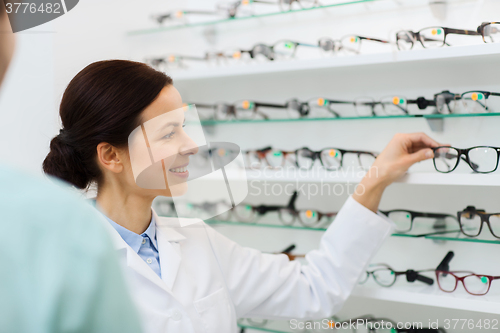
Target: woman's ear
109,157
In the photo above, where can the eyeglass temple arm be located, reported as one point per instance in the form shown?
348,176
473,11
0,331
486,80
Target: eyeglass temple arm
307,44
162,17
462,32
202,12
201,105
267,2
432,215
375,39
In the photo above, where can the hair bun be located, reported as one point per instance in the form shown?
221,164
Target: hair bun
63,162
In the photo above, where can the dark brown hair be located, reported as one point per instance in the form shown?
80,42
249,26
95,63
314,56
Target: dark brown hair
102,103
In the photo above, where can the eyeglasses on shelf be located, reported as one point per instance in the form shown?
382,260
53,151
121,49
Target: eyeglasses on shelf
247,109
474,284
481,159
267,157
331,159
288,214
438,222
350,43
490,32
385,276
226,9
473,220
429,37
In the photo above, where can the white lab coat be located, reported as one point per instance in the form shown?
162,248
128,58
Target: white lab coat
208,281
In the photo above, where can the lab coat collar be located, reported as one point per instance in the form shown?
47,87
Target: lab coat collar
170,259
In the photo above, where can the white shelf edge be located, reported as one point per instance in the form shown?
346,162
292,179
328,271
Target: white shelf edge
416,178
416,55
443,301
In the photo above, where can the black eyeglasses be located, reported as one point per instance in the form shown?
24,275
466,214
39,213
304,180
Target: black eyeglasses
228,9
481,159
351,43
332,159
490,32
439,223
241,110
288,214
267,156
472,221
288,4
474,101
385,276
246,109
429,37
282,49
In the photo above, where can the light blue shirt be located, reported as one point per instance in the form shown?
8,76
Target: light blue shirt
144,244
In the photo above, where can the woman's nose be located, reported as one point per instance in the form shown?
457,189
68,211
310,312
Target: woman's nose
188,147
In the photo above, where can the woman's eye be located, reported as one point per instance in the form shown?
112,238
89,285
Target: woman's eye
169,135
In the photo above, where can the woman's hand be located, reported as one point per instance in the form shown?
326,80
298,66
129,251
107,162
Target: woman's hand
403,151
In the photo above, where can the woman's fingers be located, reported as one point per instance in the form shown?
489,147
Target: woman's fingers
417,141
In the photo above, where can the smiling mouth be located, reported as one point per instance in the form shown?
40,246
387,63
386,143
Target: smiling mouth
179,170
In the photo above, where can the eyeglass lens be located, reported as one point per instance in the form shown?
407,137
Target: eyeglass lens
481,159
432,37
474,284
491,33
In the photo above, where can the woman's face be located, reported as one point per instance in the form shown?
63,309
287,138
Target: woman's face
159,149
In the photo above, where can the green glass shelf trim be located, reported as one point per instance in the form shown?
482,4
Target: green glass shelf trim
261,329
434,237
463,239
264,225
215,22
427,116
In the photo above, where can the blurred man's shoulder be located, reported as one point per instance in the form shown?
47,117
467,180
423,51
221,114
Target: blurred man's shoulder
37,200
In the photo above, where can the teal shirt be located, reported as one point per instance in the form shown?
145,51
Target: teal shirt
58,270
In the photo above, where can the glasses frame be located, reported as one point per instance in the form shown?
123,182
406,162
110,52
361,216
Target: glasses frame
296,216
415,214
461,279
282,4
316,155
481,28
337,44
411,275
261,154
264,209
485,219
415,36
465,152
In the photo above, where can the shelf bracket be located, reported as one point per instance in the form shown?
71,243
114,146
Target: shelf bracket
435,124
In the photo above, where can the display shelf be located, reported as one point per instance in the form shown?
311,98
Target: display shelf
286,120
266,329
242,18
483,56
449,236
341,177
431,296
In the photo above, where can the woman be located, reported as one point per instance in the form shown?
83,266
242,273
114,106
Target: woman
195,279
